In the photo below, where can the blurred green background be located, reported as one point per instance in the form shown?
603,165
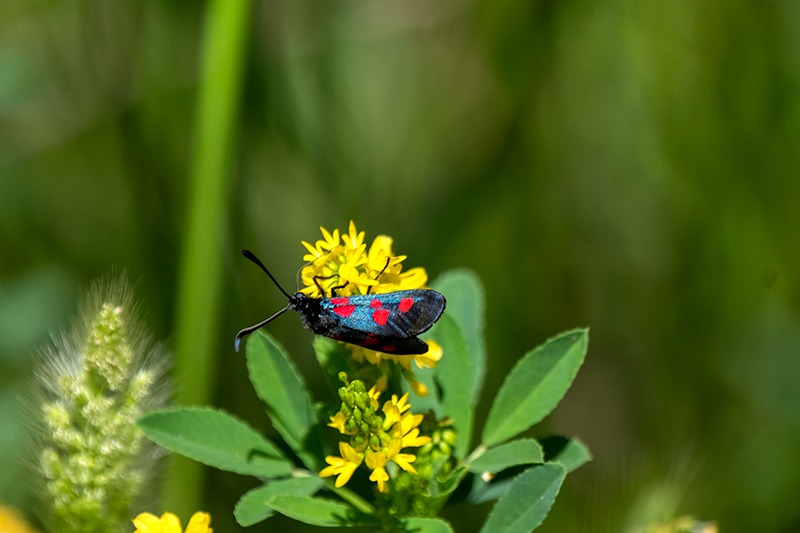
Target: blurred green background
625,165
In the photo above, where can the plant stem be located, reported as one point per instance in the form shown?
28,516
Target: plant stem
352,498
199,279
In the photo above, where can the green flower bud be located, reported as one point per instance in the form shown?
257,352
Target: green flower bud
357,441
362,401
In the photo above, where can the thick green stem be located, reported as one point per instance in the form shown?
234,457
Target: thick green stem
199,282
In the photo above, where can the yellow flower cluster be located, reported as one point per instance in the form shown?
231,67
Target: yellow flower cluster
373,439
169,523
342,264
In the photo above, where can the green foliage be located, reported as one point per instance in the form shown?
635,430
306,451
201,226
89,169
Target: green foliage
457,368
535,386
281,387
427,525
254,506
466,306
570,453
530,392
215,438
314,511
527,501
518,452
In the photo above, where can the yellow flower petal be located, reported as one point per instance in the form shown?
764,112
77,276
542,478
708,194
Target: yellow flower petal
416,278
199,523
375,460
345,474
381,249
12,521
147,523
380,477
338,421
403,460
430,358
418,387
170,523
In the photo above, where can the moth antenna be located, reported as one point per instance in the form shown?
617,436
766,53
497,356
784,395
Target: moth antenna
248,254
251,329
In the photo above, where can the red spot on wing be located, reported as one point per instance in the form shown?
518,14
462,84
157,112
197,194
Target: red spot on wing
388,348
375,304
340,301
371,340
380,316
405,304
344,311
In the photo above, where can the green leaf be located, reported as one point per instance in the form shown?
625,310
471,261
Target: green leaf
253,508
216,439
486,491
527,501
453,371
535,386
426,525
280,385
466,303
314,511
571,453
518,452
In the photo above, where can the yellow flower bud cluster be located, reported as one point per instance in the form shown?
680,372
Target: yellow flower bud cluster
374,439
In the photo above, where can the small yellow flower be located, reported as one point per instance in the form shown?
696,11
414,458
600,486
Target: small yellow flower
337,422
406,430
353,240
418,387
375,392
12,521
343,466
430,358
169,523
403,460
394,408
376,461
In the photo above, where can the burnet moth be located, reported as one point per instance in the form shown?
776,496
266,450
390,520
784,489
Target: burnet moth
388,322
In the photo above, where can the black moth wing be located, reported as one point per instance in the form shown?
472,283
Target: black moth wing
388,322
395,345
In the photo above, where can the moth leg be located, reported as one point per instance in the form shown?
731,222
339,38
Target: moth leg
319,287
333,289
380,273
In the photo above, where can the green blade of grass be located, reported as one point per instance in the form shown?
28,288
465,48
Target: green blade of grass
200,264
